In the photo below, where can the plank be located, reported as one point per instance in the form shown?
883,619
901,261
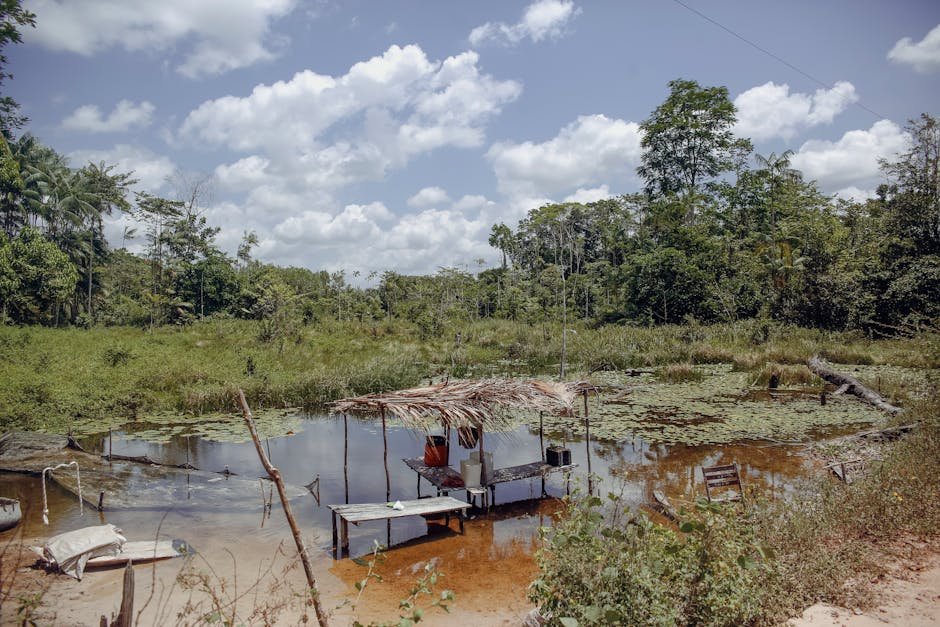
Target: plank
143,551
526,471
443,477
359,512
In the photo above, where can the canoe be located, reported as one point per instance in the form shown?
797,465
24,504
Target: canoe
143,551
10,513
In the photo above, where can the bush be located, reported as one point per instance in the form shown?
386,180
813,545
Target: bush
600,565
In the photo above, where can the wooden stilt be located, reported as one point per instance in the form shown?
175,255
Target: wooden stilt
587,437
542,445
335,545
346,456
388,480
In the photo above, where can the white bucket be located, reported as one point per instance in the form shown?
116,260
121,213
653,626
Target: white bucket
470,472
488,462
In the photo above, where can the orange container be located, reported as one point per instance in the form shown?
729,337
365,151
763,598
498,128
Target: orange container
435,451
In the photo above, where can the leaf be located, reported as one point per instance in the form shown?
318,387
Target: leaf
567,621
592,613
687,527
746,562
360,562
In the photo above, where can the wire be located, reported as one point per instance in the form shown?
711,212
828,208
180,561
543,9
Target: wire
771,54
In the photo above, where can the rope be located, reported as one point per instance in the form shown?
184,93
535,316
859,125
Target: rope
45,502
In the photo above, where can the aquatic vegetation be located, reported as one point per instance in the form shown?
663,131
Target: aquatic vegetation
719,408
161,427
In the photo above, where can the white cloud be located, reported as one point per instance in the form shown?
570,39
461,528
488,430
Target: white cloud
331,131
855,194
853,159
150,169
412,243
591,149
543,19
125,116
470,202
592,194
218,35
924,55
428,197
356,223
770,110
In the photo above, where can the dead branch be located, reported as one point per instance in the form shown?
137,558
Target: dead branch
275,475
821,368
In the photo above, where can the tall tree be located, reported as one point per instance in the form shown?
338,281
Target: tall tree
688,139
12,17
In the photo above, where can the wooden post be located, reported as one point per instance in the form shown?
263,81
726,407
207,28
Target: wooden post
101,500
542,445
388,480
541,436
275,475
346,456
587,437
125,617
388,483
110,450
483,481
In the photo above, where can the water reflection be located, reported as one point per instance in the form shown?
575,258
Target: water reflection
346,454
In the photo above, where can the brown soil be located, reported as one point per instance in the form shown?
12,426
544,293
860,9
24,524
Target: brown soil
908,595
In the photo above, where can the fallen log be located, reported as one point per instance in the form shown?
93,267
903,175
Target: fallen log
855,387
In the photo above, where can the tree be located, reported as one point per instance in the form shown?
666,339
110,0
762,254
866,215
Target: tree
35,277
688,139
12,17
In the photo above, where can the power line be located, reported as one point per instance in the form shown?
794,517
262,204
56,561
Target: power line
771,54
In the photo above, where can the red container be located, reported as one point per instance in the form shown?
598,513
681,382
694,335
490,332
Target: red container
435,451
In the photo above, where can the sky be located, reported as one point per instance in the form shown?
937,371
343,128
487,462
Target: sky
370,136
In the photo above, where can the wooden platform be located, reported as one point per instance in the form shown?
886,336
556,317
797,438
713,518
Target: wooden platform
361,512
445,478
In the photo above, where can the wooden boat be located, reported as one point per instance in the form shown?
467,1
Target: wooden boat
10,513
143,551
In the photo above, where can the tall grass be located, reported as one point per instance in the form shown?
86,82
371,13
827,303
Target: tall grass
49,377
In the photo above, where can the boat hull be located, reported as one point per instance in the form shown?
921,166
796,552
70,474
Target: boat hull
10,513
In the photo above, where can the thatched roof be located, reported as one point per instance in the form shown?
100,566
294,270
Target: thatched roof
483,403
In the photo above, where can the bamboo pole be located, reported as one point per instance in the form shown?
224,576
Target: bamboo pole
275,475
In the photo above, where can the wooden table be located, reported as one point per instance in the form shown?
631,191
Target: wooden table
361,512
445,478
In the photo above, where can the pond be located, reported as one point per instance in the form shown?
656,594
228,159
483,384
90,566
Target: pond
487,567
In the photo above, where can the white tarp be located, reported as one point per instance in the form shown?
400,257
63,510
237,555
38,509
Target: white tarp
70,551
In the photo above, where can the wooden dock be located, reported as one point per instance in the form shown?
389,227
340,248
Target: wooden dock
361,512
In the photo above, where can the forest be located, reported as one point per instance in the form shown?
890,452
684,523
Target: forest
718,234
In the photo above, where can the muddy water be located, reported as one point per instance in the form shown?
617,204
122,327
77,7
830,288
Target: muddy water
487,567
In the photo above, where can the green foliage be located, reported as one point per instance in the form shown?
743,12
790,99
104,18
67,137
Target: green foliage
688,138
600,565
35,277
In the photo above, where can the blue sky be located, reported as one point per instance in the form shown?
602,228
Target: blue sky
368,136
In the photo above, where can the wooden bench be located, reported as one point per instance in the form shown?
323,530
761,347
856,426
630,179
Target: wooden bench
361,512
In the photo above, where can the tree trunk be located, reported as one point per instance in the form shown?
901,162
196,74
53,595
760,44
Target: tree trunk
821,368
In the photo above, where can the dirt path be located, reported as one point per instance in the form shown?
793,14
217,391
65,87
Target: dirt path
909,596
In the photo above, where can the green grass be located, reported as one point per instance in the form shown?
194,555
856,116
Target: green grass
52,379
